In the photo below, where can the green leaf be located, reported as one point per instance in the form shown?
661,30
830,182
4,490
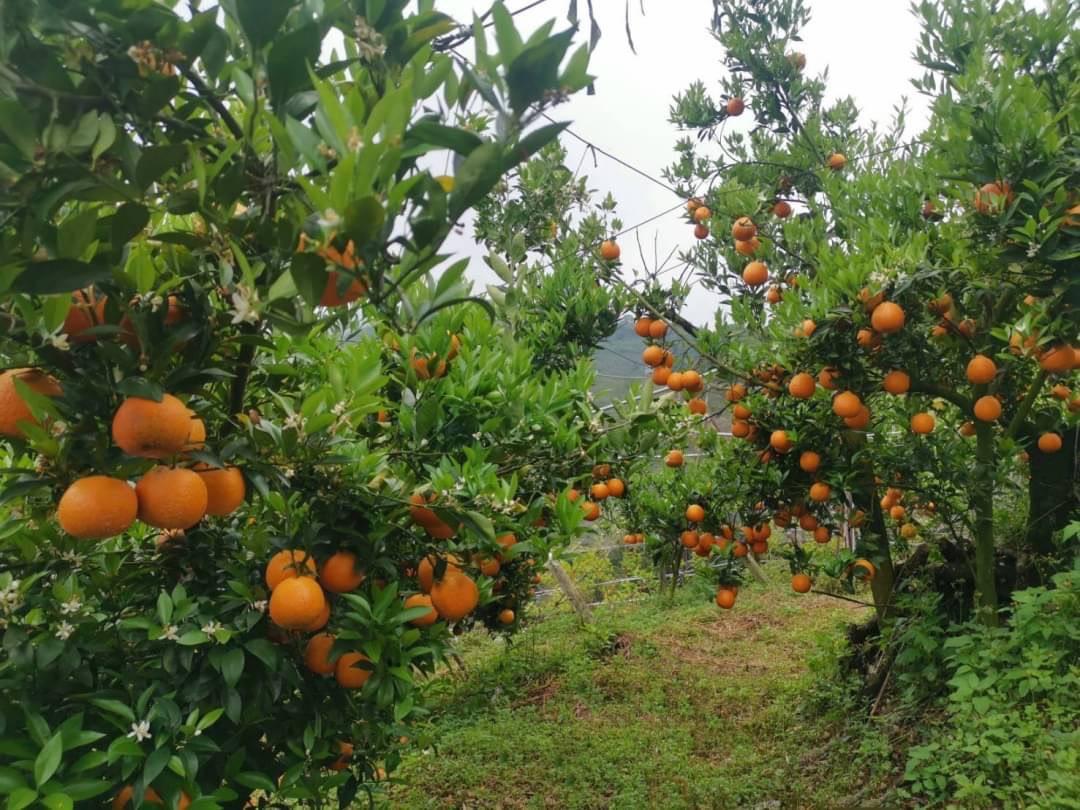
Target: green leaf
288,61
156,160
10,780
439,135
121,710
18,125
256,781
58,801
155,763
127,222
193,637
364,219
261,19
506,35
48,759
532,143
480,524
232,666
23,797
76,233
536,70
309,275
478,174
59,276
124,747
164,607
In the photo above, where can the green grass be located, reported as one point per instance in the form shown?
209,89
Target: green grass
656,705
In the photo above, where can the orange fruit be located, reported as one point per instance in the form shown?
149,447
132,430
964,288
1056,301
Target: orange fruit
196,439
820,491
489,566
1059,359
422,600
821,534
725,598
674,458
736,392
506,616
809,461
981,370
887,317
320,621
740,429
743,229
864,569
591,509
287,564
735,106
740,549
690,538
345,752
348,674
782,209
908,531
860,420
896,382
296,603
992,198
97,507
846,404
87,310
923,423
897,512
616,487
801,386
1050,442
967,429
805,329
694,513
740,412
780,441
827,378
808,522
693,204
455,596
339,575
987,409
652,356
609,251
149,429
657,329
773,295
800,583
171,498
701,213
675,381
661,375
340,289
701,231
13,409
698,406
1061,392
867,339
599,492
836,161
759,547
748,247
425,571
692,381
224,488
641,326
150,796
755,274
317,654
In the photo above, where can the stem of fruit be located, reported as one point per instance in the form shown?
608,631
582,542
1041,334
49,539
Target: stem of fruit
982,501
1025,406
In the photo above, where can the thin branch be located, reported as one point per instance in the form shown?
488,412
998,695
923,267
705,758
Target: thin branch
216,103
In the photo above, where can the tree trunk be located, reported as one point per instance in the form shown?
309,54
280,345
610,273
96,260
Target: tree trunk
982,502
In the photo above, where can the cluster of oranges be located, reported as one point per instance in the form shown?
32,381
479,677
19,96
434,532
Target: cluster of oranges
604,486
662,362
633,539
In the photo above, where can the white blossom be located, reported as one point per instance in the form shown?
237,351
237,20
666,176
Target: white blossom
295,421
64,631
339,408
170,632
140,731
156,301
330,218
260,605
244,301
211,627
58,428
288,472
71,606
72,557
369,42
60,341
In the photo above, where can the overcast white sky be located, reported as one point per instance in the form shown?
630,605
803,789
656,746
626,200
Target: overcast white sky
867,45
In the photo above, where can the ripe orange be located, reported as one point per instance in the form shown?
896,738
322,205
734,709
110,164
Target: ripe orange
657,329
224,488
736,392
87,310
641,326
740,429
694,513
506,616
860,420
836,161
805,329
609,251
1060,359
340,290
171,498
320,621
96,507
896,382
652,356
981,370
809,461
675,381
599,491
13,409
661,375
692,381
196,439
888,317
807,522
740,412
773,295
701,231
425,571
867,339
345,752
317,654
693,204
296,603
821,534
801,386
992,198
422,600
782,209
967,429
725,598
755,274
339,575
759,547
743,229
846,404
735,106
987,409
827,378
780,441
897,512
864,569
348,674
1061,392
908,531
591,509
509,540
674,458
701,213
287,564
1050,442
150,796
149,429
455,596
698,406
489,566
820,491
800,583
740,549
923,423
747,247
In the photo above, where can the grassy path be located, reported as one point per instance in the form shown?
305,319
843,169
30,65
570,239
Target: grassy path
657,706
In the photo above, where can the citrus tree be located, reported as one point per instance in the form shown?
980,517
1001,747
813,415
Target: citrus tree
898,313
262,452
